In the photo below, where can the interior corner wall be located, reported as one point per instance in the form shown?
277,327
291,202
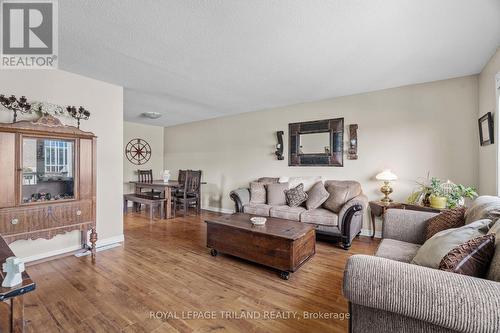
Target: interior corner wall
413,130
488,155
152,135
105,102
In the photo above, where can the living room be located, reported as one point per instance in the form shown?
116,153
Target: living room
305,166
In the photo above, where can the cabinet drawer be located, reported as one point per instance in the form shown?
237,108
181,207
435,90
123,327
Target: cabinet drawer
29,219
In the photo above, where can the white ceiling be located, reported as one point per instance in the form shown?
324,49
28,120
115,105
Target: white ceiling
194,59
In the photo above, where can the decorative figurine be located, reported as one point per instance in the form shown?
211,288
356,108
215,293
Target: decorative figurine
16,105
14,267
166,176
78,114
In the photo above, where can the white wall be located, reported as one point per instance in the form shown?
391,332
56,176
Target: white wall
105,102
488,166
412,130
154,136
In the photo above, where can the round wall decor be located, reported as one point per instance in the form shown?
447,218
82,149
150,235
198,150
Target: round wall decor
138,151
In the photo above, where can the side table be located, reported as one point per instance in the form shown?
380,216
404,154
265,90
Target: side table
378,208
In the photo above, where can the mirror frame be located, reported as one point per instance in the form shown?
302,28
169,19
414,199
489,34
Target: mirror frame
333,126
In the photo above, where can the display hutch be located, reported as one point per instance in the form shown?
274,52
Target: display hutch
47,181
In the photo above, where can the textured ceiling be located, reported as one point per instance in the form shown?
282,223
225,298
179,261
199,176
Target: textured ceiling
194,59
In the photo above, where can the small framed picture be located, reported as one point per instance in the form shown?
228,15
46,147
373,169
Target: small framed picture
486,136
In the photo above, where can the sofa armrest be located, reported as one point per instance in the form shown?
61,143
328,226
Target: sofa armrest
453,301
241,197
406,225
354,207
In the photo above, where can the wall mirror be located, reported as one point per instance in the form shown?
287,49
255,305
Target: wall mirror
48,169
316,143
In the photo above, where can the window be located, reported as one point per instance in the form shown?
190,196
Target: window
56,157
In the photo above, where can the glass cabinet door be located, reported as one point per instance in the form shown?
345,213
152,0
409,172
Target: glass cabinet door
48,169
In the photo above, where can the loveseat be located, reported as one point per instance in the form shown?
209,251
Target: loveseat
343,225
387,293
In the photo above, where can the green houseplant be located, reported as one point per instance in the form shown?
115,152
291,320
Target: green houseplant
440,194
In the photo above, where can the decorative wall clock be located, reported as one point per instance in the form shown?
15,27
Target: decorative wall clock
138,151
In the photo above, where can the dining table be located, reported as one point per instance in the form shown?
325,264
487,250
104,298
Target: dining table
165,188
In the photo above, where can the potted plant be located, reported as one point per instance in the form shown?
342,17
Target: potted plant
437,198
439,194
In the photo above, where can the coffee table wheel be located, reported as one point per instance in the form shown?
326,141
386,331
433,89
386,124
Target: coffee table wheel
214,252
285,275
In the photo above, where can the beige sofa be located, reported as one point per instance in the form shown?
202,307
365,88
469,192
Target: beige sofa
388,294
343,226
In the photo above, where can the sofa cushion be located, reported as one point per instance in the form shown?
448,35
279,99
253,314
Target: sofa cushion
316,196
295,196
320,216
397,250
286,212
447,219
434,249
484,207
494,271
257,193
308,182
268,180
340,192
276,194
470,258
257,209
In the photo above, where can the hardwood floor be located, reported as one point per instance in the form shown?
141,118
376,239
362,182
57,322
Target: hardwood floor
164,270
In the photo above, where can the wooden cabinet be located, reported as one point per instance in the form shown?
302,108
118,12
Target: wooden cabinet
47,180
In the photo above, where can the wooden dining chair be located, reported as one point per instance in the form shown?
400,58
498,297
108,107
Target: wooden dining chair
146,176
190,195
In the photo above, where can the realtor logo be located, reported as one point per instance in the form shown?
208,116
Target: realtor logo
29,34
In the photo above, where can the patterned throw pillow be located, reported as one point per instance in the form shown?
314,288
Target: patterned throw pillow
447,219
296,196
257,193
494,272
470,258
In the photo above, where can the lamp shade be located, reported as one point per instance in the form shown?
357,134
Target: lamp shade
386,175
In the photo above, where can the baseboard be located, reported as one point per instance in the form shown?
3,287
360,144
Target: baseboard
368,232
219,210
100,243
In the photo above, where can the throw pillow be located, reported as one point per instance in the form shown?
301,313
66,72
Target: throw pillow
494,272
316,196
257,193
296,196
339,194
447,219
484,207
268,180
308,182
470,258
276,194
283,179
435,248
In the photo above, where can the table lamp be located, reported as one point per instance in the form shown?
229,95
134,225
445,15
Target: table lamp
386,176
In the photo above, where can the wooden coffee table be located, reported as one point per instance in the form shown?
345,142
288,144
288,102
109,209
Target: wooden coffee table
281,244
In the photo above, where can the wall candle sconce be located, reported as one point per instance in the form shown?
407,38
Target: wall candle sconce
352,152
279,145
